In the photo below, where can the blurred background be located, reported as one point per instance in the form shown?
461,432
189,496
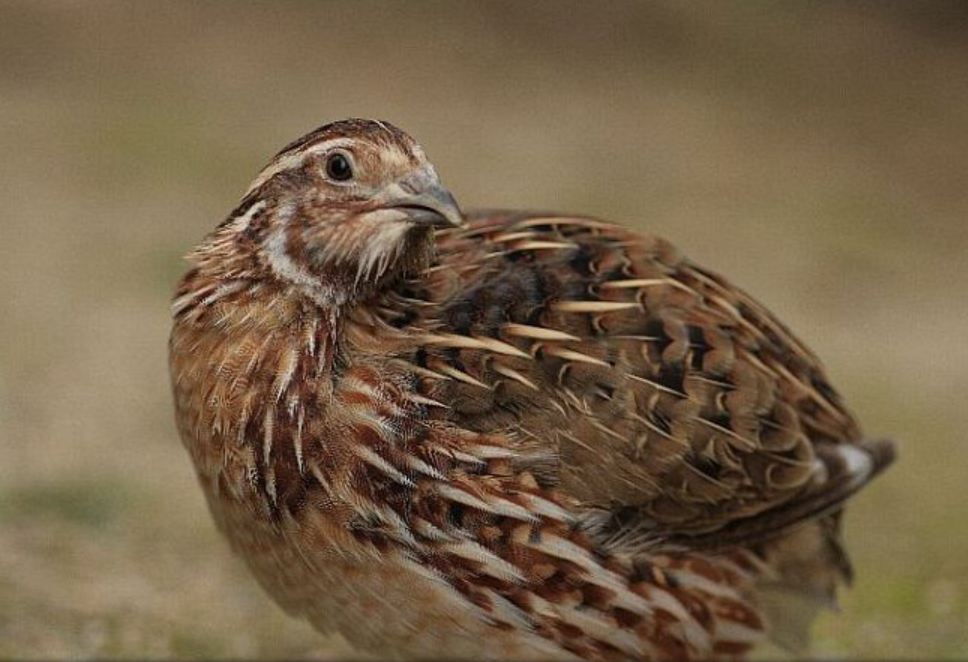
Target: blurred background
815,152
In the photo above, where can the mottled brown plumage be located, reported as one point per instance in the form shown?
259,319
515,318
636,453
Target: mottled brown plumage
507,436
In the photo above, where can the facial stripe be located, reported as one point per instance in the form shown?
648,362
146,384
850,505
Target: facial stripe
287,269
241,222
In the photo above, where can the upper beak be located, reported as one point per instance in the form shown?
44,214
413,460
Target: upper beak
425,201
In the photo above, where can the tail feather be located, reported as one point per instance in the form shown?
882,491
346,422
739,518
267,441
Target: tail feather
843,470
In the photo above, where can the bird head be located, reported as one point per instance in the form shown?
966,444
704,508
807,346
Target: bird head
339,211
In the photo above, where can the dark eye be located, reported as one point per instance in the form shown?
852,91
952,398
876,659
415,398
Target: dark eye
338,167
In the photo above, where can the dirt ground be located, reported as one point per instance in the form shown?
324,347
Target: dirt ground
814,153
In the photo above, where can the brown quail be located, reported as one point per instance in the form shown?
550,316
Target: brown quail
501,435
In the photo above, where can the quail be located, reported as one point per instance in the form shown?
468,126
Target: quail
500,434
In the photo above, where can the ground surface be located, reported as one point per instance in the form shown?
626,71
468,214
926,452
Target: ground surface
816,156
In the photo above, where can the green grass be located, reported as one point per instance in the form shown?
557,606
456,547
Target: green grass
88,504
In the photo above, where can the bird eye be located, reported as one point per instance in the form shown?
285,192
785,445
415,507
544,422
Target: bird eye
338,167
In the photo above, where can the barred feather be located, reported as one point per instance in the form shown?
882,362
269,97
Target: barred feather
527,437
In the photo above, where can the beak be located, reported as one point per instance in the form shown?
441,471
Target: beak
425,201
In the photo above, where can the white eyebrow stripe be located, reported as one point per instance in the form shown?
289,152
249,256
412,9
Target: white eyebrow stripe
294,160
